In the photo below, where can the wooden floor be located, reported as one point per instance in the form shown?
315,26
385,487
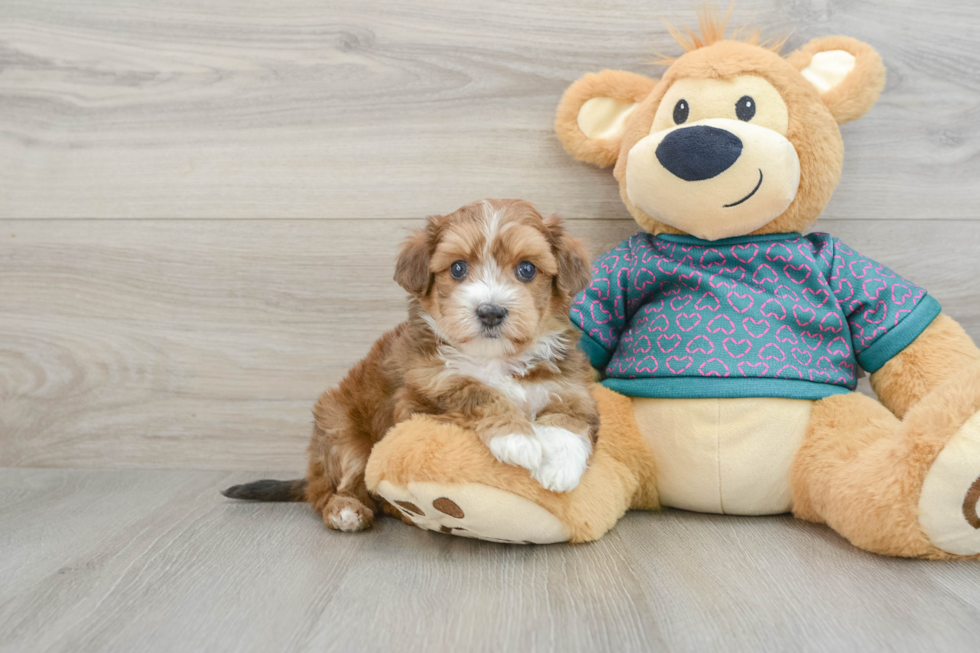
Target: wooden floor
157,561
199,208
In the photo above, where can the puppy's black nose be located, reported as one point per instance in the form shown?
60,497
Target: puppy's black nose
491,315
699,152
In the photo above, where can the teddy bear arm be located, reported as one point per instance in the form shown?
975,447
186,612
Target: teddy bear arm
937,353
442,477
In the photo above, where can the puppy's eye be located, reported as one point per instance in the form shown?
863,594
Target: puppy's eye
745,108
526,270
681,111
458,270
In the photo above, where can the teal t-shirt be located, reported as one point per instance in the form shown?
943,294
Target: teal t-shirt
781,315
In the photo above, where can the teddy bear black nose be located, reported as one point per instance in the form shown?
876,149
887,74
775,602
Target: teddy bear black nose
491,315
699,152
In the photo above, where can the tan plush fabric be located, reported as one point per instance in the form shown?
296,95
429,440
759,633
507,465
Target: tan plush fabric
706,211
943,348
812,129
715,98
474,510
423,450
900,477
724,455
812,126
618,85
828,69
604,117
861,470
947,513
854,96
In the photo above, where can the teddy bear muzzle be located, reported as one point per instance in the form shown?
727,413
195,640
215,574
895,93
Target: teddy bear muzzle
715,178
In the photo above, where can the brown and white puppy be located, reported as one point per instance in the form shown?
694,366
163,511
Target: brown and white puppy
487,345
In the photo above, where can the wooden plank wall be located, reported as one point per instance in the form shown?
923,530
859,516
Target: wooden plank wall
200,202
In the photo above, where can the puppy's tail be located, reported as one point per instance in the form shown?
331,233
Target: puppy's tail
269,490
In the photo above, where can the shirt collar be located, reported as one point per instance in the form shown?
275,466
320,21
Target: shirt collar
737,240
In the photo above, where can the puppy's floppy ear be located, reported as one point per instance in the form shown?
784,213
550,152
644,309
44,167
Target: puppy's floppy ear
574,269
848,74
592,114
412,267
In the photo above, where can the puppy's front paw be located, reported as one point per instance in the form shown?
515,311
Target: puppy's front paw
566,456
516,449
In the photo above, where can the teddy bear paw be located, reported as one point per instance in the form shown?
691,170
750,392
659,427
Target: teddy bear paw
474,510
948,503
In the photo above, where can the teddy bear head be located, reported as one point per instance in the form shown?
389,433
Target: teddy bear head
734,139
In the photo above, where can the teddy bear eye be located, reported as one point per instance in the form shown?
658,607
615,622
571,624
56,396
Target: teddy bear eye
681,111
745,108
526,270
458,270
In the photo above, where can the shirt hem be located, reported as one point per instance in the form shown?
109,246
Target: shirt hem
890,344
723,388
598,356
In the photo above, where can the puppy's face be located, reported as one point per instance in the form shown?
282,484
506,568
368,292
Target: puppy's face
494,276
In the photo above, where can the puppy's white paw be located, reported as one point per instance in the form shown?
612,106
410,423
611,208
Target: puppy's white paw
566,456
516,449
347,520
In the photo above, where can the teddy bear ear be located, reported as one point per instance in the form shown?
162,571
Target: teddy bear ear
593,111
847,73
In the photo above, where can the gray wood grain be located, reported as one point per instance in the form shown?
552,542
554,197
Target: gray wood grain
385,109
204,344
157,561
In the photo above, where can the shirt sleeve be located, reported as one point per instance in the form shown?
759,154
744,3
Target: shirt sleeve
600,310
884,312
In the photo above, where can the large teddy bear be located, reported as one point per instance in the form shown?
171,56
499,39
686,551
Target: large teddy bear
729,342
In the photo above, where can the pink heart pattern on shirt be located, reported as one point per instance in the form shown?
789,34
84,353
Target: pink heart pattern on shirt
780,307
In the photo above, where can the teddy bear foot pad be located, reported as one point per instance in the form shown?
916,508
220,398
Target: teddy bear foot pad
948,504
475,510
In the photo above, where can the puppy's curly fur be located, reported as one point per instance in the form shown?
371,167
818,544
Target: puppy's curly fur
487,345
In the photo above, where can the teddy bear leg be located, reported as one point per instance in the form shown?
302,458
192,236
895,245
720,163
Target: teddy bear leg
897,487
443,478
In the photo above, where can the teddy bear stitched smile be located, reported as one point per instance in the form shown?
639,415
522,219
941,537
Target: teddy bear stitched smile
710,146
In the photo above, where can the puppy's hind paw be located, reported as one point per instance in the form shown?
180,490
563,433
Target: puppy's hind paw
566,456
516,449
347,514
